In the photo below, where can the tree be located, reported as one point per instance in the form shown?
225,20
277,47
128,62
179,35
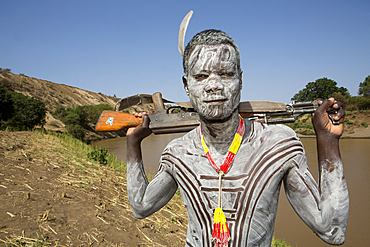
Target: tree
19,112
6,103
364,87
28,112
321,88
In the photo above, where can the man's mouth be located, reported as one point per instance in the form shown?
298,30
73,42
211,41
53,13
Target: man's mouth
215,101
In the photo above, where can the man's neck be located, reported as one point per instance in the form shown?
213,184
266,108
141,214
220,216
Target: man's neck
218,135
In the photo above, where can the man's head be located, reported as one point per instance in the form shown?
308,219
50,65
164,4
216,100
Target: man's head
212,74
209,37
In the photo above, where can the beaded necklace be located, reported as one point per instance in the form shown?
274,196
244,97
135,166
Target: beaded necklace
221,233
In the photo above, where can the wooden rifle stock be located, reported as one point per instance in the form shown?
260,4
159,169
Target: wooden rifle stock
160,122
111,121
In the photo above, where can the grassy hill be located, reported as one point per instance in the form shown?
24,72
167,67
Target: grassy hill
56,95
53,94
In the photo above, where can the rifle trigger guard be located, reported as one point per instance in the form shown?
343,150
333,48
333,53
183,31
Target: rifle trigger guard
335,122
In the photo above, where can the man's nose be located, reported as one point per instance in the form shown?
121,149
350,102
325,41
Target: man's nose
214,84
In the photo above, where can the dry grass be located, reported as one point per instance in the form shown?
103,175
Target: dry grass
22,240
55,169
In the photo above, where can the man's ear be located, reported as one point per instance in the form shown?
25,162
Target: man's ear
241,80
184,80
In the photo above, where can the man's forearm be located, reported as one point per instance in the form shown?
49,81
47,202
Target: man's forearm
327,148
333,190
136,179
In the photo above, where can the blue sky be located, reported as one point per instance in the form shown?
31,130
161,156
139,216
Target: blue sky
130,47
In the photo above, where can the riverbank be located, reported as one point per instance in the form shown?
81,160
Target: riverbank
356,125
363,133
358,133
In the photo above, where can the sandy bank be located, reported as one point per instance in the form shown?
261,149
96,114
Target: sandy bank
358,133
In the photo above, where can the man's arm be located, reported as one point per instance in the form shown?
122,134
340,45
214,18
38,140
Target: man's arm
145,198
324,207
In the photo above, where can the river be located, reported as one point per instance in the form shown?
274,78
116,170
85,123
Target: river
289,227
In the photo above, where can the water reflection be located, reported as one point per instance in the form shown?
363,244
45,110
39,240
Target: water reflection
356,157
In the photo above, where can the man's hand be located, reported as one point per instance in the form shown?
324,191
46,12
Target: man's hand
321,121
140,132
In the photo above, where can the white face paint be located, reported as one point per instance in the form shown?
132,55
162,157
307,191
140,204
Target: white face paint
213,81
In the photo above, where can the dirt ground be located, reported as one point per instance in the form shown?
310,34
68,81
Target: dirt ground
52,198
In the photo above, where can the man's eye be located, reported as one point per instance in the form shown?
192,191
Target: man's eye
201,76
228,74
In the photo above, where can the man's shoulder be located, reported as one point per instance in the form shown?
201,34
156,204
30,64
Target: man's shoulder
273,131
185,141
275,139
177,149
282,130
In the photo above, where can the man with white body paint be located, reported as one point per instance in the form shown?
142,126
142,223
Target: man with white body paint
267,156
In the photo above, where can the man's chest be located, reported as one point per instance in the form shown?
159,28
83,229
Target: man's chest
254,170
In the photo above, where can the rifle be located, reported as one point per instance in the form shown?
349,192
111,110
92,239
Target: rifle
163,121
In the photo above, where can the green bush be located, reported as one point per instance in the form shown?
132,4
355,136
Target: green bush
76,130
6,103
279,243
71,118
99,154
295,125
19,112
364,124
